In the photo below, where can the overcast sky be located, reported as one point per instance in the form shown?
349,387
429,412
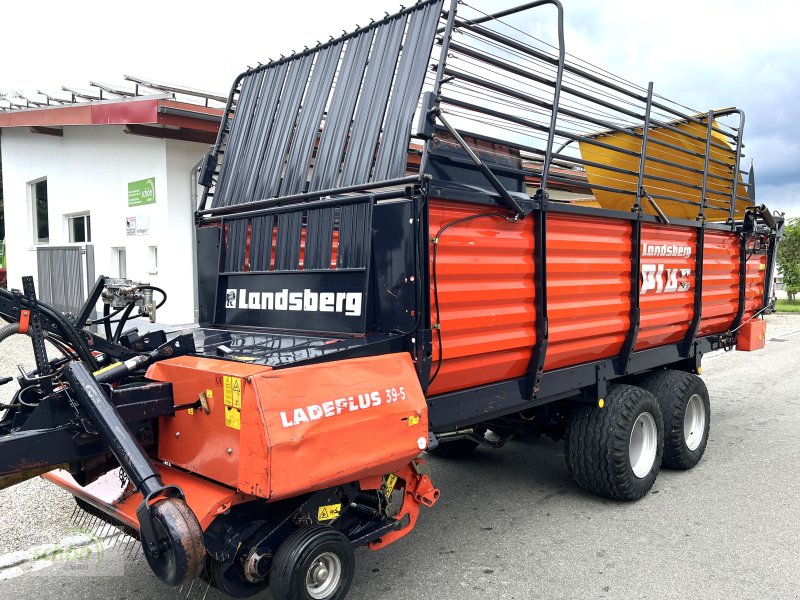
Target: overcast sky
704,53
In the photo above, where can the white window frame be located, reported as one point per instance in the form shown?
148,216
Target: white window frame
88,230
34,220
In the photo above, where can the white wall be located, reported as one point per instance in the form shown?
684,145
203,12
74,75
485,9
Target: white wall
88,169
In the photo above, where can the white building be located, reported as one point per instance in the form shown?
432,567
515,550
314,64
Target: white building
114,178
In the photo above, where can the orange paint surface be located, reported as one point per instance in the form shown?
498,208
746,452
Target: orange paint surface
485,271
298,429
205,498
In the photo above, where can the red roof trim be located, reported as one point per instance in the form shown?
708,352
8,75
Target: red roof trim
124,112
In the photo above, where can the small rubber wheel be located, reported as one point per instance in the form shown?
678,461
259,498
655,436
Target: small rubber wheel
455,448
616,451
313,563
181,552
686,408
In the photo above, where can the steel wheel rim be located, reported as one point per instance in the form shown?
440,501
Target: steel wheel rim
323,575
694,422
643,445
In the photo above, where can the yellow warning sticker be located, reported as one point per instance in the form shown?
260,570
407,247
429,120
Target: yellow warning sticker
413,420
237,393
329,512
233,418
190,411
232,391
209,394
391,481
227,390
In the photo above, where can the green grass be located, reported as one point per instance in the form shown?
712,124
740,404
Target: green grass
788,306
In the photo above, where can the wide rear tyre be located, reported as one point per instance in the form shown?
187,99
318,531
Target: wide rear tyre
313,563
615,452
686,409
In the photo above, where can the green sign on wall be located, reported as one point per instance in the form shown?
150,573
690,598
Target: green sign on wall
142,192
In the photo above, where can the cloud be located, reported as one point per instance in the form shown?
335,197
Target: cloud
784,197
703,53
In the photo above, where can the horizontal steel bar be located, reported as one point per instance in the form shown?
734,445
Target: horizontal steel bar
532,124
489,85
544,57
226,210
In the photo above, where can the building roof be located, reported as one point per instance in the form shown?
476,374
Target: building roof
154,116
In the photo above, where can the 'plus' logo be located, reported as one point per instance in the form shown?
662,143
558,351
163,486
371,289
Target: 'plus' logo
657,279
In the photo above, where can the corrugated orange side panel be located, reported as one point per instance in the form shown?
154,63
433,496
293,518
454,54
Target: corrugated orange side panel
485,275
588,288
754,290
720,282
486,291
666,311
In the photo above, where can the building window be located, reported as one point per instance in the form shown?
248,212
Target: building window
80,228
120,262
153,255
41,225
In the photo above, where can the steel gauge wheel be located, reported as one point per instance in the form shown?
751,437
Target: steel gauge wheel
181,553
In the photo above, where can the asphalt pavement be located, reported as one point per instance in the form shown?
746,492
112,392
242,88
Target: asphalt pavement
511,524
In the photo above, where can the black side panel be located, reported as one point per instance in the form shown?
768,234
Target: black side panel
340,114
351,100
274,80
261,242
236,244
307,133
278,143
319,239
372,105
207,269
231,172
287,249
407,87
355,235
395,276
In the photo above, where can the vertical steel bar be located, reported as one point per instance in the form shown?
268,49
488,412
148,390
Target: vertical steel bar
737,153
640,192
437,83
702,215
556,96
448,33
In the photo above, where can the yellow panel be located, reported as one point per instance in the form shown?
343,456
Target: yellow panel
718,191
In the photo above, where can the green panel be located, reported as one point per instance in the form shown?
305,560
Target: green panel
142,192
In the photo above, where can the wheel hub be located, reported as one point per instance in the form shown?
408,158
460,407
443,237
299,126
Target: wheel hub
643,445
694,422
323,576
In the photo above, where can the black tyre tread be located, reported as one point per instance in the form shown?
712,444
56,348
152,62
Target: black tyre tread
672,389
596,446
290,551
456,448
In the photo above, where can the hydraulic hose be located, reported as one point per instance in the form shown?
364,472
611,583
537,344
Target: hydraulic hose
70,333
6,331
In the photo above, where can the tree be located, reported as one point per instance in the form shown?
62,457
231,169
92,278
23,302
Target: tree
789,257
